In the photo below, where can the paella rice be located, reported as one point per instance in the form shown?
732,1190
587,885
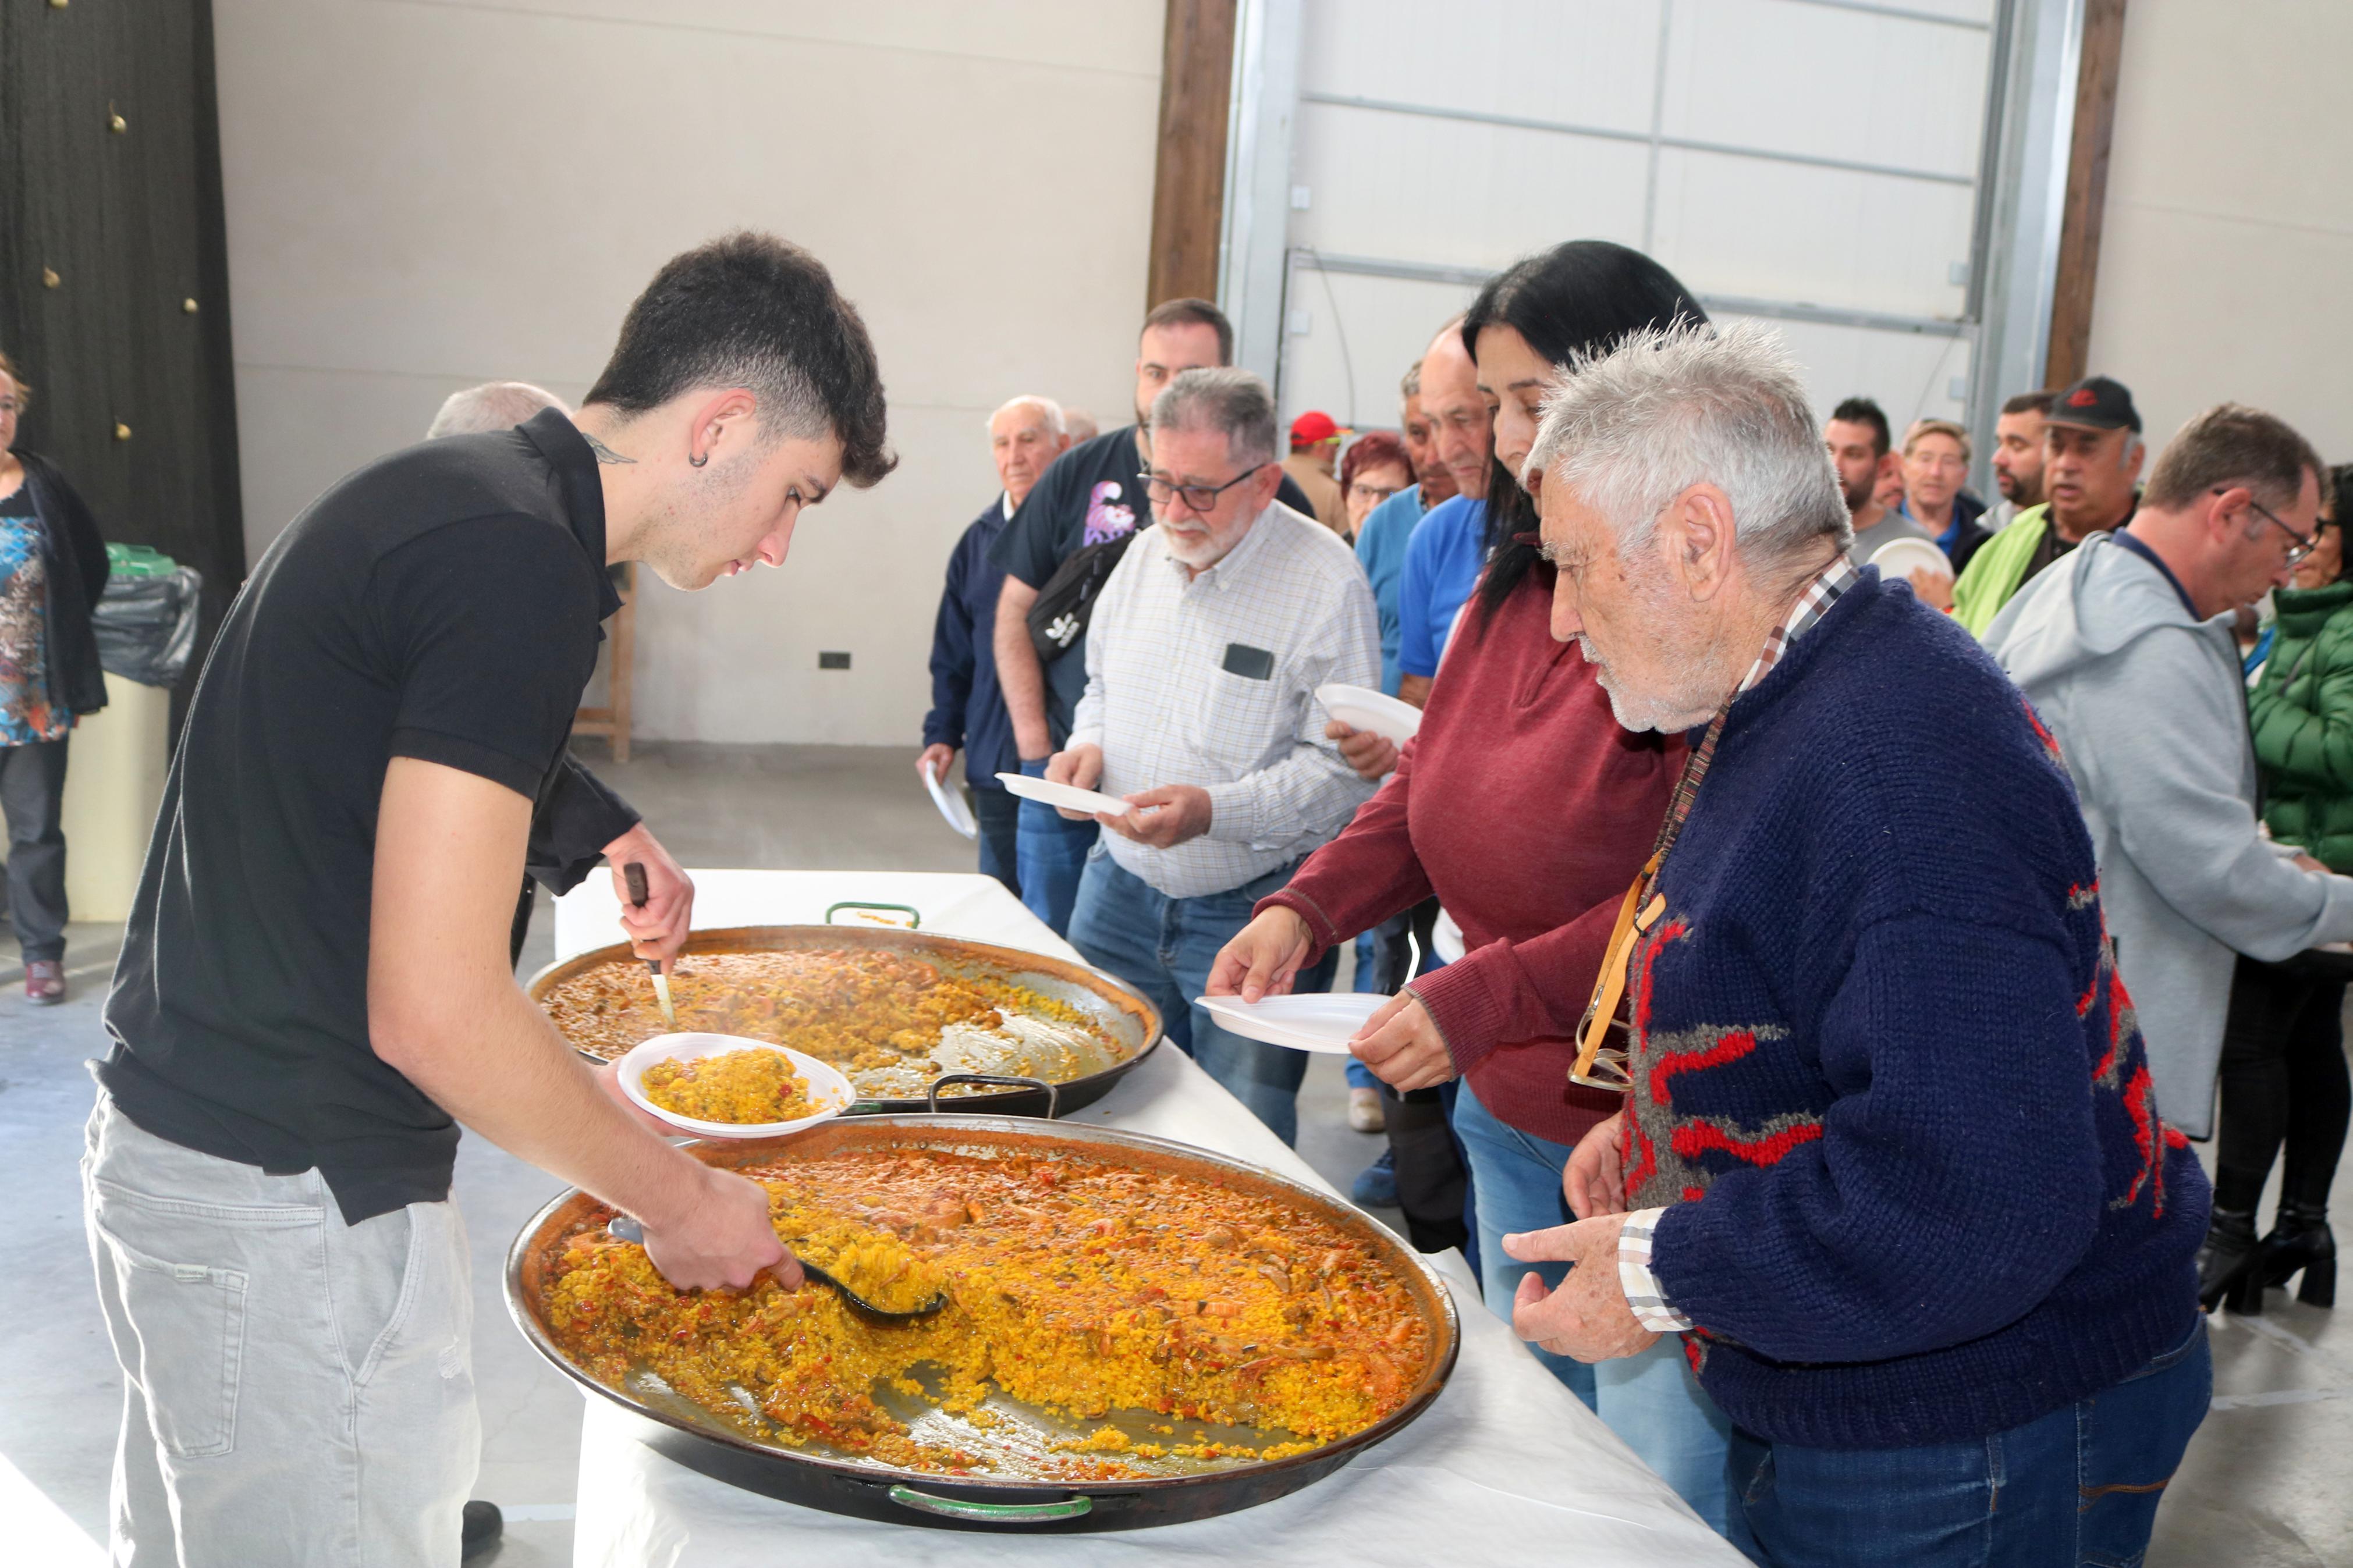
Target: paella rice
746,1086
878,1015
1083,1288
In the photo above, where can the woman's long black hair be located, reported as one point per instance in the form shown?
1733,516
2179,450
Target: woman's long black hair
1578,298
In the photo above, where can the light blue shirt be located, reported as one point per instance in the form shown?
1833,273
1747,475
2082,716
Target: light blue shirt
1441,566
1380,549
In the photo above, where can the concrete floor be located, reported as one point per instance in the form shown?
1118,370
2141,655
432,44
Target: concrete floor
2264,1485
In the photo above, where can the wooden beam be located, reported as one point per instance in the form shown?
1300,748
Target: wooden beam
1188,186
2087,193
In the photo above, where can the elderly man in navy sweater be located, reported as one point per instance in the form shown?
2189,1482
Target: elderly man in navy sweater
1891,1153
968,711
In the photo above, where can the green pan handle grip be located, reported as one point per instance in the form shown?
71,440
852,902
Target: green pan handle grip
914,916
1073,1506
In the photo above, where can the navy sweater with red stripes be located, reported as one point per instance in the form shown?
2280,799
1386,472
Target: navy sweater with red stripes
1886,1073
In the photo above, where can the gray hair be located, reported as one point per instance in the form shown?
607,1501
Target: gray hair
1410,384
1672,407
1045,405
493,405
1225,398
1079,426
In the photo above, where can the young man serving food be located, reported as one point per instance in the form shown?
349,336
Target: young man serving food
315,987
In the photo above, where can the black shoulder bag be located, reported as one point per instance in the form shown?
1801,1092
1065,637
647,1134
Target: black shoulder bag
1059,617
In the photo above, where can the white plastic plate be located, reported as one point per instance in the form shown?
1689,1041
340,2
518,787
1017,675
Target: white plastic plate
1322,1023
827,1090
1899,558
950,800
1362,708
1069,797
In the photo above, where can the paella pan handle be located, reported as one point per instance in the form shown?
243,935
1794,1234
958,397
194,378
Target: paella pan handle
914,916
1071,1507
1053,1095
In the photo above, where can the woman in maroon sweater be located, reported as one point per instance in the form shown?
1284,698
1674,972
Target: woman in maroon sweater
1525,808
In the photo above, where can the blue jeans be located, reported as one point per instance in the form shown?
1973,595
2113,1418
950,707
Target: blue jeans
1163,947
1650,1400
2078,1487
1049,851
998,812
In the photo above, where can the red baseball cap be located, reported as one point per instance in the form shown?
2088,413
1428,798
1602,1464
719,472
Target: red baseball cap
1313,427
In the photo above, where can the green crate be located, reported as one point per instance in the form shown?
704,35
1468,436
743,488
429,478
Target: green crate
139,561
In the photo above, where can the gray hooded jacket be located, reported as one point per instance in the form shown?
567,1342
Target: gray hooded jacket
2150,713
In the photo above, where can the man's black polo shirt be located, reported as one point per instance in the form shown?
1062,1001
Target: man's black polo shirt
441,604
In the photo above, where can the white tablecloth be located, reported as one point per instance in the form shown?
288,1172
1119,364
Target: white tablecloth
1506,1466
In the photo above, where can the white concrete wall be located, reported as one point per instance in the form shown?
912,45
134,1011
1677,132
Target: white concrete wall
2226,263
423,194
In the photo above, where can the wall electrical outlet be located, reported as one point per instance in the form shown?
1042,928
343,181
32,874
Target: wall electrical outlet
1300,198
1299,322
1957,389
833,661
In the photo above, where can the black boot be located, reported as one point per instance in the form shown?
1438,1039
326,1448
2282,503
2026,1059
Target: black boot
2300,1241
484,1525
2227,1261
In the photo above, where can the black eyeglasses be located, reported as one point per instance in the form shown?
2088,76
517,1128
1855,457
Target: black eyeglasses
1198,498
2305,544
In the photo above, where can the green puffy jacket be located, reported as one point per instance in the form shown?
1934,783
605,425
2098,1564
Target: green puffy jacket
2302,712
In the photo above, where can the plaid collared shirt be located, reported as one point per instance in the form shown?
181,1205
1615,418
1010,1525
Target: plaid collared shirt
1643,1292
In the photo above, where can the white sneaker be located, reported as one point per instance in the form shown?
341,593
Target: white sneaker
1365,1114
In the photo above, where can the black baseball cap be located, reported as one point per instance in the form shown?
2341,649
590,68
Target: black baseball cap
2095,403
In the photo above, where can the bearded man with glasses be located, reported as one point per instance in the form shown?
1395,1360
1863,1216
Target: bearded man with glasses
1206,647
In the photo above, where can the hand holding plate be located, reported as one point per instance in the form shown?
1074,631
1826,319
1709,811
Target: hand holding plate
1372,755
1402,1046
1162,817
1263,956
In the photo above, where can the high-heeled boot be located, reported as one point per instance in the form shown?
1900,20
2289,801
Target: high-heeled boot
2227,1258
2300,1240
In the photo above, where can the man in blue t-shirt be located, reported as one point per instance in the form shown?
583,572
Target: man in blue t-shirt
1443,557
1381,542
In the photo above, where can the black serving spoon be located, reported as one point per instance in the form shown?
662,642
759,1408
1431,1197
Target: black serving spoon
627,1229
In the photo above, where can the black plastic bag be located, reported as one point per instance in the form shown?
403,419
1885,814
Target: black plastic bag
146,626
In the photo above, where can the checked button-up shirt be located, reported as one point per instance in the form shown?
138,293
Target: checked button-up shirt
1210,680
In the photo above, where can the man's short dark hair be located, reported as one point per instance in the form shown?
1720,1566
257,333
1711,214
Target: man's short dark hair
2030,403
1194,313
752,311
1863,411
2232,444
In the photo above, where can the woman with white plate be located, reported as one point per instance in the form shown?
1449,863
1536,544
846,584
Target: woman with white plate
1525,808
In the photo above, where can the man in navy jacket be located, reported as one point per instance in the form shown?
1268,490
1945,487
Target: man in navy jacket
968,707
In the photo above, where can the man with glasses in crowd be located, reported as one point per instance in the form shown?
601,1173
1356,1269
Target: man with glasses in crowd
2128,657
1091,499
1203,657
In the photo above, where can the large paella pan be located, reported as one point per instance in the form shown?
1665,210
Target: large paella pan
897,1010
1139,1331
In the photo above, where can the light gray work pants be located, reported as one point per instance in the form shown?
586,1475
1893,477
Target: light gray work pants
296,1390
